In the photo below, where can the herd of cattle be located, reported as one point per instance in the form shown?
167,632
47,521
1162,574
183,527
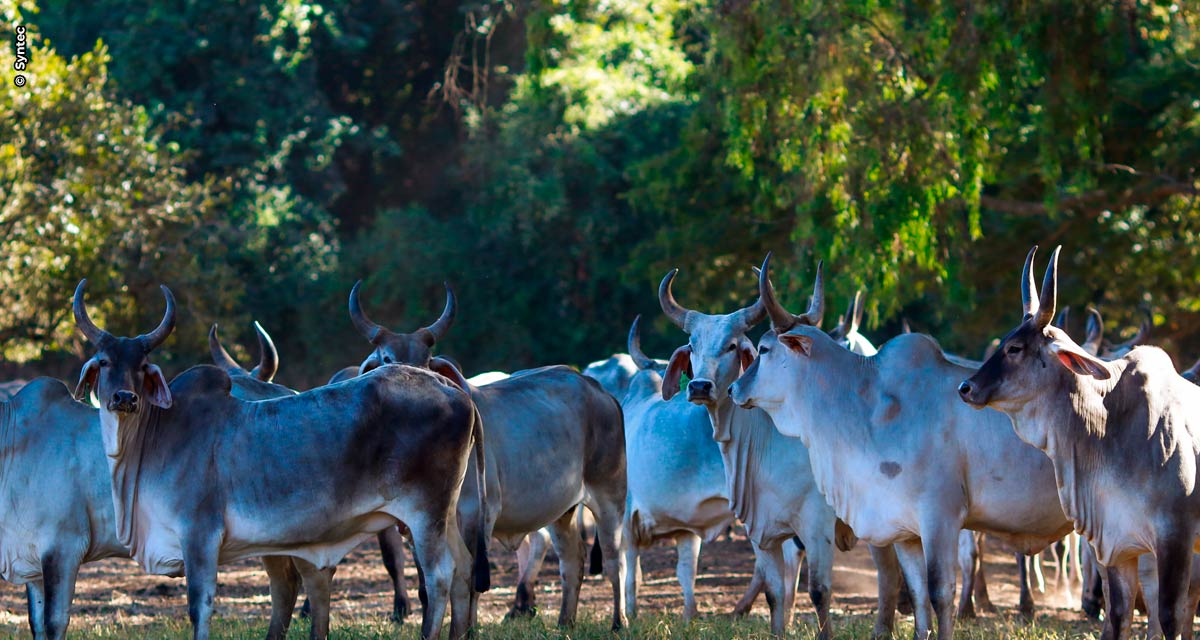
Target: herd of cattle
810,440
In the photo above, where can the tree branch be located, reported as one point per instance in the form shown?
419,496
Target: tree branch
1095,200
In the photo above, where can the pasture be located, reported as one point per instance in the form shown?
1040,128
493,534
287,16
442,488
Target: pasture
116,600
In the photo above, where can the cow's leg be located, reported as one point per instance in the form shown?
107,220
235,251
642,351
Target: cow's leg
200,567
318,584
35,595
1148,581
431,538
912,561
888,578
1119,593
285,588
968,564
1091,597
606,501
757,585
687,548
1025,607
633,565
817,534
391,547
569,547
530,556
59,571
1035,564
940,543
1174,554
1075,550
983,601
775,578
1193,601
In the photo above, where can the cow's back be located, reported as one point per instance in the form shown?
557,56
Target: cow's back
54,481
1010,485
304,474
546,431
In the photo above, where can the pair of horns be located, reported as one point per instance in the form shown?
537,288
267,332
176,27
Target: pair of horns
268,362
429,335
782,319
96,335
1040,308
749,316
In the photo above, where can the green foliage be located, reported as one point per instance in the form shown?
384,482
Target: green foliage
553,159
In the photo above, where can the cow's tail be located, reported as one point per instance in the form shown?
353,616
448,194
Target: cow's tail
482,568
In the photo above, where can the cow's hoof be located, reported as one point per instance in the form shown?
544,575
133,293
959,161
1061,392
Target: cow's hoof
517,612
400,611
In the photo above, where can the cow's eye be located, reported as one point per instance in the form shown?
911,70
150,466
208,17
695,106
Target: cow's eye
387,359
1014,349
762,350
103,363
732,347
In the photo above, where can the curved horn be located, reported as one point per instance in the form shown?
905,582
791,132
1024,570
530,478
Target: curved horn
268,358
1029,303
666,300
781,319
1049,296
438,329
857,312
635,346
1193,372
220,356
88,328
904,326
753,314
816,304
1094,339
368,329
152,340
1063,318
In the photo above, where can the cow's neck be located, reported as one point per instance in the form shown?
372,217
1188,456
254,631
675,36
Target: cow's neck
8,440
742,456
126,447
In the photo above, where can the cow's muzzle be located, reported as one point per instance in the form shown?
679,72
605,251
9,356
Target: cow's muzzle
970,395
123,402
701,392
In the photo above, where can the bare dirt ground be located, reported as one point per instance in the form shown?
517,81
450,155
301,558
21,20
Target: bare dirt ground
116,591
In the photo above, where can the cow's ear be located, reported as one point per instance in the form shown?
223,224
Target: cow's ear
681,362
1079,361
87,379
746,353
798,343
155,389
447,368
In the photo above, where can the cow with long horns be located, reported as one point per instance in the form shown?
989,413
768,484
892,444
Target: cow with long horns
1124,438
555,440
200,478
899,458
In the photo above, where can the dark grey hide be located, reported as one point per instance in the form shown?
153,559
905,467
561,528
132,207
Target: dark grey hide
555,439
57,505
201,478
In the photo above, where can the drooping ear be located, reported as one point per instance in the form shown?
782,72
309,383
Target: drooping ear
371,363
746,353
155,389
798,343
681,361
1079,361
445,367
87,379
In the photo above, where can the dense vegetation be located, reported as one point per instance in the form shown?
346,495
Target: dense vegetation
553,159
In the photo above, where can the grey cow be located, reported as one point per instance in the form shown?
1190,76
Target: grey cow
555,439
58,511
872,427
1124,437
200,478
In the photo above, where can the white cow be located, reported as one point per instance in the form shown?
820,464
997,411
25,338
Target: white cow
895,453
